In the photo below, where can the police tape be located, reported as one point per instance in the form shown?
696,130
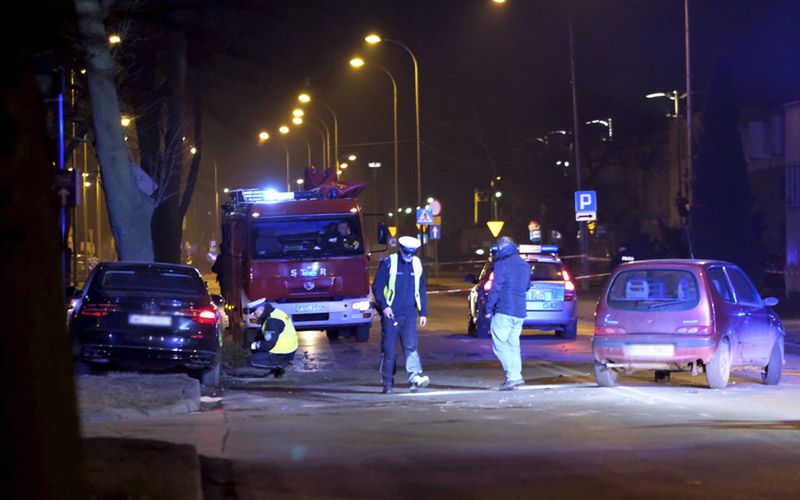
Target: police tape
462,290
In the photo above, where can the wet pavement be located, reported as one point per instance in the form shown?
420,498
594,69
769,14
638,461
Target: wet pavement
325,430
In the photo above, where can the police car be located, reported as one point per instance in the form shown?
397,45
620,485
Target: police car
551,301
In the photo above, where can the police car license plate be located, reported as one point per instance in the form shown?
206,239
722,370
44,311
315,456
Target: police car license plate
650,350
148,320
307,308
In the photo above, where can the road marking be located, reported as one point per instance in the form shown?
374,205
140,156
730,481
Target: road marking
478,391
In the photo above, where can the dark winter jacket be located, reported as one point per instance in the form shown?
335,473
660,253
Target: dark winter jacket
512,278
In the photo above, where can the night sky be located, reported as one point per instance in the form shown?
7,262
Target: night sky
491,77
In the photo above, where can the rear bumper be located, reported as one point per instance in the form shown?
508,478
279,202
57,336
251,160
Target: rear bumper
621,349
549,320
149,357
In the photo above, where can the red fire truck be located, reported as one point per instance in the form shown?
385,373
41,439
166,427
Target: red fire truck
304,253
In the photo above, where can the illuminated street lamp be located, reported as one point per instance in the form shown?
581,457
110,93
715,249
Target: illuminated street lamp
373,39
297,120
263,136
352,157
125,121
306,98
114,39
358,63
283,129
193,150
297,112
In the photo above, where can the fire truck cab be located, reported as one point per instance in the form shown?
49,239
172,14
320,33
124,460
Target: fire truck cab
303,253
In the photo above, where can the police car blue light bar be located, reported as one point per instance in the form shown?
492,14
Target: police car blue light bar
534,249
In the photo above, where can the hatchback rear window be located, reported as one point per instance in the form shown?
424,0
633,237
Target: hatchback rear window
546,271
153,280
653,290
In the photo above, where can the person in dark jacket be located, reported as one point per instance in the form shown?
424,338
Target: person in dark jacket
506,308
399,292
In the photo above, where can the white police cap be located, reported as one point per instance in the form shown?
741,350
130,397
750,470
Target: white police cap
409,242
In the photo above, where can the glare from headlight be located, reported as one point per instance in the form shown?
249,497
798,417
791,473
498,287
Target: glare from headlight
362,305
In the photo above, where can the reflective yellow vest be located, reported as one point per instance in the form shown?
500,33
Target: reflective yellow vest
287,342
388,291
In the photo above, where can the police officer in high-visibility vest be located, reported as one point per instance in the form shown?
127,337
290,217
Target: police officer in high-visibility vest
276,343
399,291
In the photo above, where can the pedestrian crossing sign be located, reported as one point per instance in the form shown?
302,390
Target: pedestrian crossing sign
424,216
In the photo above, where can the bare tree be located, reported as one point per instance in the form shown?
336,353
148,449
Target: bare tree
129,208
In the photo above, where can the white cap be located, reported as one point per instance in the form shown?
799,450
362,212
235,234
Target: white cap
409,242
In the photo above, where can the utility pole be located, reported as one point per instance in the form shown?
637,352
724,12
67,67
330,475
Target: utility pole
689,153
584,234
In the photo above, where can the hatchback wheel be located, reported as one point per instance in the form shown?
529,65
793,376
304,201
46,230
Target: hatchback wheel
605,376
718,370
771,374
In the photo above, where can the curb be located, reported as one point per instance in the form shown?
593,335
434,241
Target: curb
114,414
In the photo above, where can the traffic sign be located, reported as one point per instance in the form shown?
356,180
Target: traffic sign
424,217
437,220
495,226
436,232
585,205
535,235
392,231
66,187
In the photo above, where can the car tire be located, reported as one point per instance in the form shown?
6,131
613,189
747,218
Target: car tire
210,376
718,370
662,376
470,326
362,333
482,327
332,334
771,373
570,331
605,376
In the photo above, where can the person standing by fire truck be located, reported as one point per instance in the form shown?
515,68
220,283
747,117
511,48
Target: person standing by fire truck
399,291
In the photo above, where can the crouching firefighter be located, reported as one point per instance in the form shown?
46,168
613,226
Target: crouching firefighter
399,291
275,344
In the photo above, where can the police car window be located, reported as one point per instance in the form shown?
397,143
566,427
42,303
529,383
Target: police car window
546,271
282,237
744,289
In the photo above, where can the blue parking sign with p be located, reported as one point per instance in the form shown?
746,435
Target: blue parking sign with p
585,201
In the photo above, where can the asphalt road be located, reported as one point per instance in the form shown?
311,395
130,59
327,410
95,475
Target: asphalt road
327,431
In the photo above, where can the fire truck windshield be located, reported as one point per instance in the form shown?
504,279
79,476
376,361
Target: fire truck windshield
313,236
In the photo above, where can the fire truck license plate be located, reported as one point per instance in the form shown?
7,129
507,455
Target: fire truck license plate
307,308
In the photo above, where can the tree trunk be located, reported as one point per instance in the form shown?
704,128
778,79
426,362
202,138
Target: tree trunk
39,431
129,209
166,225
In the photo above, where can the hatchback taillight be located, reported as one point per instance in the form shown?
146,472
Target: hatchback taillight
569,286
97,310
696,330
202,316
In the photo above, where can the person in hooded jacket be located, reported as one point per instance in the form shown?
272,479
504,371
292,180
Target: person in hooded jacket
506,308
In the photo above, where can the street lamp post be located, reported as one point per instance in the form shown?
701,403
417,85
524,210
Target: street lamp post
323,147
357,63
305,99
217,221
374,39
285,130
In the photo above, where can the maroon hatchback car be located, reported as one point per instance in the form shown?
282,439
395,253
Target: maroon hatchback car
685,315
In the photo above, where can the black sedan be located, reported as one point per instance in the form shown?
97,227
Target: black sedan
147,315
